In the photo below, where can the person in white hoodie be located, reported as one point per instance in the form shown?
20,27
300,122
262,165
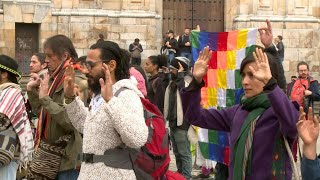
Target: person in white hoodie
115,114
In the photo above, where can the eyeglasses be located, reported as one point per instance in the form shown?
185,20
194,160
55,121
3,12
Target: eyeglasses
90,64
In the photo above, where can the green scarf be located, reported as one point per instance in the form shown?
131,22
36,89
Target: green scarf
256,106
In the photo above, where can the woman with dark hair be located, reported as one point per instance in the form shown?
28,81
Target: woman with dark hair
137,74
257,125
158,80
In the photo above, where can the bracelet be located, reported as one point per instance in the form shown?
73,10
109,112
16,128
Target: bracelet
68,100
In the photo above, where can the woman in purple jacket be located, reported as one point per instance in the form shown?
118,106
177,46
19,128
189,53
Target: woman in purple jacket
257,125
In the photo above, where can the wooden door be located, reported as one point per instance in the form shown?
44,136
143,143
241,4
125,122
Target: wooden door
179,14
27,43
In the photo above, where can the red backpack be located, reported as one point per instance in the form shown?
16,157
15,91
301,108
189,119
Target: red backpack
173,176
152,160
154,157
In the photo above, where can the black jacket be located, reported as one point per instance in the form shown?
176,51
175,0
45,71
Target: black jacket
182,41
173,43
276,66
280,47
156,89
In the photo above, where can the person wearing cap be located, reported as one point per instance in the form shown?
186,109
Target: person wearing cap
173,113
135,49
171,45
46,97
115,115
13,120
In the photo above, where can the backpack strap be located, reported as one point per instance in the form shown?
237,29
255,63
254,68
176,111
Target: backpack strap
118,157
116,94
309,100
290,88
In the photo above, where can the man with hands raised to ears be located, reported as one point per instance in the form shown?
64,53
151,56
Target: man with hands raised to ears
115,115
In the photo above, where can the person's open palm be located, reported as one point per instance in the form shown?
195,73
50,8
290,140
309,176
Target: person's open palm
181,69
34,81
200,67
266,35
68,84
44,86
106,85
262,71
308,128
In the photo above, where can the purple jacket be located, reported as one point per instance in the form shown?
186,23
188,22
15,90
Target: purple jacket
279,119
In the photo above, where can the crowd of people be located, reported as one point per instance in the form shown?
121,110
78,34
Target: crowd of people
81,117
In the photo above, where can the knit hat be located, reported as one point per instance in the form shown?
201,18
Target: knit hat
182,60
138,77
10,65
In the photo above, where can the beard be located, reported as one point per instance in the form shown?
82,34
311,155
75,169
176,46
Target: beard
93,82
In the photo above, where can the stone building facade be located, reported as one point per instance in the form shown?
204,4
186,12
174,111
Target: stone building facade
82,20
298,21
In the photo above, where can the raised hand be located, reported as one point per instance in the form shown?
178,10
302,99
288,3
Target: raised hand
262,71
44,86
165,70
266,35
34,81
308,128
200,67
181,69
68,84
106,85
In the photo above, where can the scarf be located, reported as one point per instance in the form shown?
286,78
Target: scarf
13,106
179,109
242,151
44,118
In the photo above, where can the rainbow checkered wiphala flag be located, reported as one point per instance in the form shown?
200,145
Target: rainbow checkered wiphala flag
223,86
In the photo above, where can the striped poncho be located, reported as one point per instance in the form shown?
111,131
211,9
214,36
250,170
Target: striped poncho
12,105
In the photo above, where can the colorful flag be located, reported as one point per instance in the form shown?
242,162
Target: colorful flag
223,86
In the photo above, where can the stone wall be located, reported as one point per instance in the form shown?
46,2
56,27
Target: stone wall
298,22
82,21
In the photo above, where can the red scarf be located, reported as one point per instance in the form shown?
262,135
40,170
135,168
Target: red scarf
44,118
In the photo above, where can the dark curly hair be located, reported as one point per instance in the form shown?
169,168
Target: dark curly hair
111,51
274,68
159,60
41,57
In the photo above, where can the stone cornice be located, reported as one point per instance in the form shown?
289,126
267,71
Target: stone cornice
27,1
294,19
105,13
